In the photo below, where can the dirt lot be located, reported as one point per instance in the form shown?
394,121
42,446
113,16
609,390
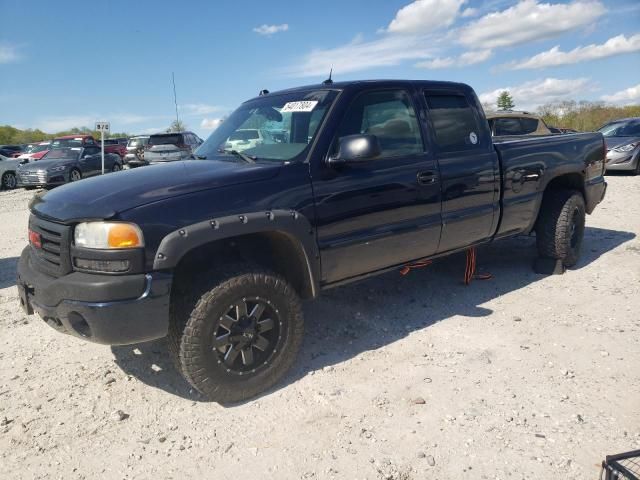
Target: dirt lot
416,377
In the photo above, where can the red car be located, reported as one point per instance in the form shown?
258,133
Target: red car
85,141
36,151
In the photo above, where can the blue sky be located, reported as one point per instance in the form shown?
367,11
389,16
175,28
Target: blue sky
68,63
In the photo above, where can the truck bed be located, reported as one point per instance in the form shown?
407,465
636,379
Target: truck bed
528,164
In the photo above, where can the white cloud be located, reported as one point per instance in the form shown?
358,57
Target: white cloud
465,59
199,109
359,55
271,29
469,12
8,53
551,58
532,94
628,96
424,16
211,123
529,21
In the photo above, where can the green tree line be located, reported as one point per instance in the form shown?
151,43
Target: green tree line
584,116
10,135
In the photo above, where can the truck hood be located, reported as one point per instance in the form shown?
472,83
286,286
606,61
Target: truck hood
105,196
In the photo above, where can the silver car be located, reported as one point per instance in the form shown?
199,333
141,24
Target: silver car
171,147
8,167
623,144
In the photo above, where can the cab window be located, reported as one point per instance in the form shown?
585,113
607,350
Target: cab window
390,116
455,124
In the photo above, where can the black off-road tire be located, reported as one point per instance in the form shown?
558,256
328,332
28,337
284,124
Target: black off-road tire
560,226
195,312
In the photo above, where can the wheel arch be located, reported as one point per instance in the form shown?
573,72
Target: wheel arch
281,240
570,180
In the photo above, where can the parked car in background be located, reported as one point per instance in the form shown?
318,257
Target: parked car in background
68,164
36,152
115,145
72,141
10,151
135,151
508,122
244,139
170,147
8,167
623,144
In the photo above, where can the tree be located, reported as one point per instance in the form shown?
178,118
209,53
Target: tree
176,126
505,101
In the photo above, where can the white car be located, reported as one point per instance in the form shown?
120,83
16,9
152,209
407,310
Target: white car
244,139
8,168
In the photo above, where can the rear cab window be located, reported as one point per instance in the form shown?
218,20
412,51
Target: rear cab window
454,122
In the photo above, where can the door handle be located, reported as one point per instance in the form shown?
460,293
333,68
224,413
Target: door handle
426,178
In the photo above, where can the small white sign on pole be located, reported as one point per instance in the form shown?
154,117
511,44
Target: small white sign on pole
102,127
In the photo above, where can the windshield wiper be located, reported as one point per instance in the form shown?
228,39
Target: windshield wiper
243,156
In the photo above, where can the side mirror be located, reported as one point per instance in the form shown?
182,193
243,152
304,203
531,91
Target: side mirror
356,149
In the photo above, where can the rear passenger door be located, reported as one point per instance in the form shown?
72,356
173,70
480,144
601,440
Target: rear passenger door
385,211
469,168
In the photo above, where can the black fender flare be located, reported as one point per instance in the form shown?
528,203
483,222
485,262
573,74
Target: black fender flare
179,242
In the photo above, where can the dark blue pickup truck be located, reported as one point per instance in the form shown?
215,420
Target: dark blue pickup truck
332,183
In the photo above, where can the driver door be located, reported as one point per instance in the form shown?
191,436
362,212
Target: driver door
91,162
384,212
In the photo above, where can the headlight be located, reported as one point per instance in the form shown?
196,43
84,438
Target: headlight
61,168
627,148
108,235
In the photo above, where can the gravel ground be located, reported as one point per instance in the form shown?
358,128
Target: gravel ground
416,377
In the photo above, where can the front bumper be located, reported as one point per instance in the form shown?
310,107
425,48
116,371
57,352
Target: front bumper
41,179
106,309
622,161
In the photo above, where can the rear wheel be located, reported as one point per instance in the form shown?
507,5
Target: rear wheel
9,181
75,175
239,335
560,226
116,167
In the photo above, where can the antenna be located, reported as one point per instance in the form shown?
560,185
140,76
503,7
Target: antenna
328,81
175,98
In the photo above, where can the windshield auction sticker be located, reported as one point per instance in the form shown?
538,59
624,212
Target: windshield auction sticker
305,106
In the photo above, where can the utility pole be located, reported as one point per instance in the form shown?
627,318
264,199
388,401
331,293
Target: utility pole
175,98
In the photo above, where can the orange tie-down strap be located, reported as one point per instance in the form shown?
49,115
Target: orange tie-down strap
469,272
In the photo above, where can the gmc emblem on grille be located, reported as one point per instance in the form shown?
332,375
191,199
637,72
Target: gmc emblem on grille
35,239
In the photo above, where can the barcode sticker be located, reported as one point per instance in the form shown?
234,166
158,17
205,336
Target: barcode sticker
304,106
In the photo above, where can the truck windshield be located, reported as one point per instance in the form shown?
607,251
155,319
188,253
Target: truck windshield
271,128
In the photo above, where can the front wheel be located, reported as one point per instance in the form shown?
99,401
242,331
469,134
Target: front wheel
237,337
560,226
9,181
75,175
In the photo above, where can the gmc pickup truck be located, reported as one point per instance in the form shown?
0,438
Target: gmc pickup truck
217,252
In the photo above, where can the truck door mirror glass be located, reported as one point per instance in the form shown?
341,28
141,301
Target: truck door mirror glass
356,148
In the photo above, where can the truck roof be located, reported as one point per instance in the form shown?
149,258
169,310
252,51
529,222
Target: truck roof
382,83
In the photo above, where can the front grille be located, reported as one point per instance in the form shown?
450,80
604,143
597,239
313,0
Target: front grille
36,177
54,257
